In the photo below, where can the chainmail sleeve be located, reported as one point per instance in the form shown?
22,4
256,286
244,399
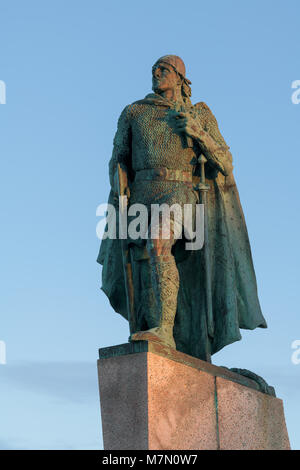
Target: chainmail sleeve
121,147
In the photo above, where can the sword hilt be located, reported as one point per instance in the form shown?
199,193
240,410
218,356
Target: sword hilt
202,160
202,186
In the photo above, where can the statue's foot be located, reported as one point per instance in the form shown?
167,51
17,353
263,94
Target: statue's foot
158,335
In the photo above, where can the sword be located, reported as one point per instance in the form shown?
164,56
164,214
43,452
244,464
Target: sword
204,188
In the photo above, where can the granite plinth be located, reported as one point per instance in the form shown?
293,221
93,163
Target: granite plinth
153,397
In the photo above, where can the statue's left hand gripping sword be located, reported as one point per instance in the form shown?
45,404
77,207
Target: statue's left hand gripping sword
122,180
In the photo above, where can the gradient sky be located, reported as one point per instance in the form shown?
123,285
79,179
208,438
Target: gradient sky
70,67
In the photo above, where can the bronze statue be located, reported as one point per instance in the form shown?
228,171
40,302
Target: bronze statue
195,301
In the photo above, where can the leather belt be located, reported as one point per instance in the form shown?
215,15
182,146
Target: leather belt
163,174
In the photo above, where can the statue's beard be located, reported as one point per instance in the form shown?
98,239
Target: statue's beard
159,91
156,88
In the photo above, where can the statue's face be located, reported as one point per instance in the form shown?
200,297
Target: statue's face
164,78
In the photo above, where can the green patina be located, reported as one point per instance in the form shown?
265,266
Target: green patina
169,285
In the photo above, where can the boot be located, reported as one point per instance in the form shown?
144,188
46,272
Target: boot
165,281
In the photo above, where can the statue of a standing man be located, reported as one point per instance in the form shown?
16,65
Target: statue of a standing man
158,143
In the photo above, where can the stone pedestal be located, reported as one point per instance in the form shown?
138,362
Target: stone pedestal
153,397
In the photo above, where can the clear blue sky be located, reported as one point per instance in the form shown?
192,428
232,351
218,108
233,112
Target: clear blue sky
70,67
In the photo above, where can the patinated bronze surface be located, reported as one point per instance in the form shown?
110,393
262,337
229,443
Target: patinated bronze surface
194,301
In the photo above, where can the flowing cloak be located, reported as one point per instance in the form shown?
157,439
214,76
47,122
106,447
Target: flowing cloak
234,289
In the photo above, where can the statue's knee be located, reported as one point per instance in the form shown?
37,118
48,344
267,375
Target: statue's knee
158,247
